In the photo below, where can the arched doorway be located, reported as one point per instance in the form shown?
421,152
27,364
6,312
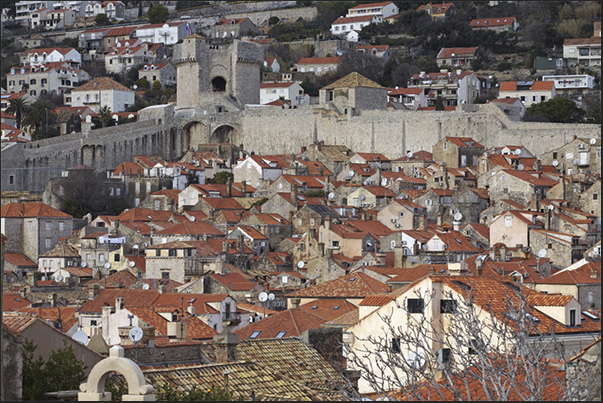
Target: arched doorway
218,84
223,134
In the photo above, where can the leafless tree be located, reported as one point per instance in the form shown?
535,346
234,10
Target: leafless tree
501,351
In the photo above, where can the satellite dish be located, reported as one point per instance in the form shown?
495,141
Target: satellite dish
135,334
59,278
409,154
518,151
361,197
192,218
458,216
135,246
107,265
416,359
263,297
300,264
132,264
83,264
383,182
351,173
145,244
542,253
271,297
575,161
593,141
331,196
555,163
520,167
550,207
146,286
80,336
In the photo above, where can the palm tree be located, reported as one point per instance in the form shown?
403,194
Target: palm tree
104,115
19,108
40,115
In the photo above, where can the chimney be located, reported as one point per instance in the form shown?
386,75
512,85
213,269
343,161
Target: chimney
423,222
226,346
229,188
379,175
503,252
225,246
321,171
547,219
162,289
439,218
116,227
321,249
399,258
445,169
24,291
295,303
294,195
219,269
327,222
456,225
537,166
119,303
53,300
93,291
244,188
303,149
380,257
240,244
479,266
328,253
31,278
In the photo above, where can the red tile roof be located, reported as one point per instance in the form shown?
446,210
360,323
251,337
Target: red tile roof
19,260
67,315
329,309
191,228
371,5
464,142
460,52
233,281
13,302
583,41
122,31
292,321
353,285
348,20
132,298
102,83
20,210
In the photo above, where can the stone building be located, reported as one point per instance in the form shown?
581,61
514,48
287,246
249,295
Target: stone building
457,152
33,228
233,28
520,186
578,155
354,92
165,73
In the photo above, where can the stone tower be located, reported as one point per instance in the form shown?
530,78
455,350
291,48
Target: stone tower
212,73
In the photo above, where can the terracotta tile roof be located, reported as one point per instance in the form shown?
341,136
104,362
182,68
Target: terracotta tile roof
458,52
457,242
13,302
527,177
106,297
144,214
233,281
346,319
492,22
48,51
61,250
371,5
549,300
78,271
464,142
102,83
351,20
353,285
312,182
223,203
413,274
352,80
18,322
292,321
20,210
375,228
509,101
329,309
536,86
67,314
314,167
122,31
481,229
191,228
252,232
406,91
381,48
588,273
155,283
120,279
442,7
376,300
198,330
255,308
582,41
19,260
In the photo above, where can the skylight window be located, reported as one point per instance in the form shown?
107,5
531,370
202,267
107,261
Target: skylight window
314,306
280,334
590,315
336,307
255,334
353,279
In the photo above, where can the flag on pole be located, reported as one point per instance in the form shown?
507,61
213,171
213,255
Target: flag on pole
188,29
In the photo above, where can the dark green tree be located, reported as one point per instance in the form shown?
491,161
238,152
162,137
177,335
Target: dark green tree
104,115
40,115
221,178
156,85
62,371
19,108
558,110
192,179
158,14
101,19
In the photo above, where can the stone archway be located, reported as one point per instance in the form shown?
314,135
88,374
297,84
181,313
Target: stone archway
223,134
218,84
195,133
94,388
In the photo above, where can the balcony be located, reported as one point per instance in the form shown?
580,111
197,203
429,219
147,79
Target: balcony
233,318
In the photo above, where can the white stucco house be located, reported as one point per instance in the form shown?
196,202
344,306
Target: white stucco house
290,91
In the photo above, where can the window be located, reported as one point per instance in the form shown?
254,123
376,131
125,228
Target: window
48,242
508,221
148,187
116,258
335,244
11,179
572,318
44,263
393,244
444,355
445,146
172,252
448,306
88,256
396,345
280,334
101,257
415,305
118,191
255,334
61,226
157,252
93,322
137,201
165,274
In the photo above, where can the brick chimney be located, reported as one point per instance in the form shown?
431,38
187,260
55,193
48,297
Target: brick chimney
380,259
93,291
226,346
479,266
